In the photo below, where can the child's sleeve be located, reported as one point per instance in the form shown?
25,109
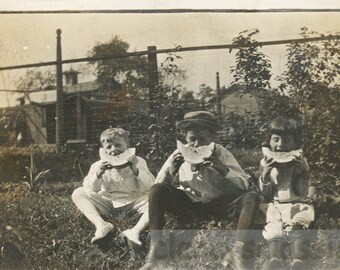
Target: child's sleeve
301,181
267,189
91,181
163,175
236,174
145,177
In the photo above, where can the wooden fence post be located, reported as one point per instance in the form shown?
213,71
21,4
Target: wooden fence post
60,97
153,76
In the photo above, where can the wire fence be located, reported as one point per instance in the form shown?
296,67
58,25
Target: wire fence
89,108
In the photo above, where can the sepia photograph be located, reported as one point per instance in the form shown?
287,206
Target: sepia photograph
169,135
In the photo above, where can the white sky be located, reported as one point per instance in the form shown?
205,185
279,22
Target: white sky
31,38
163,4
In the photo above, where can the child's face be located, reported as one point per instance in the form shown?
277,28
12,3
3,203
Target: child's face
114,146
196,138
282,143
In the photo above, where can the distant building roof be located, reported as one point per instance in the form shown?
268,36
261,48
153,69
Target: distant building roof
82,87
233,99
50,96
42,97
71,70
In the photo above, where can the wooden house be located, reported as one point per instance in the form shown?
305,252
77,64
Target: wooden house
233,100
86,111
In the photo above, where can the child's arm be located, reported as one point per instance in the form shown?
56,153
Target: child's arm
266,187
133,164
144,177
214,163
170,168
231,170
93,180
301,177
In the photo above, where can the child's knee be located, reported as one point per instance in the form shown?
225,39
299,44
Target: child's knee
78,193
299,232
158,190
273,230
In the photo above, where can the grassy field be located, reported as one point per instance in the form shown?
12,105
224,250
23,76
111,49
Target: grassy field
44,230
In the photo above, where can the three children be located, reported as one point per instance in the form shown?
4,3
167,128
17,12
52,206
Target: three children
216,187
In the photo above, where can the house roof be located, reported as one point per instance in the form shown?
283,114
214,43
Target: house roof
50,96
82,87
42,97
234,100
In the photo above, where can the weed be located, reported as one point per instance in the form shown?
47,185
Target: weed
36,179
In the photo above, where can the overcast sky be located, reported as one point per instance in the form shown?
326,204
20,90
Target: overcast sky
163,4
31,38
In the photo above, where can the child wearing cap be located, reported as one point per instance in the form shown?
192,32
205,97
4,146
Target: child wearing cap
216,187
107,188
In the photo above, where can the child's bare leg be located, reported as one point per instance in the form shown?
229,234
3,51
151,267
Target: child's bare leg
134,233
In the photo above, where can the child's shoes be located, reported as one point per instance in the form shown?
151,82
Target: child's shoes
102,231
132,236
276,264
298,265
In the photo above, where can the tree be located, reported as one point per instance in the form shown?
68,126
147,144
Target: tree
252,72
168,109
311,80
36,80
125,73
253,68
205,93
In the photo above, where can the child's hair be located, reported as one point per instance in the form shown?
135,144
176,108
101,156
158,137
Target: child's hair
286,126
111,133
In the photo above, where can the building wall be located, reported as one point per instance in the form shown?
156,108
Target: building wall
36,122
240,104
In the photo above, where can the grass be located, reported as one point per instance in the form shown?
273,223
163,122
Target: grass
44,230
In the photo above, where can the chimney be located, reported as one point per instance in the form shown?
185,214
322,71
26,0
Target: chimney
71,76
218,95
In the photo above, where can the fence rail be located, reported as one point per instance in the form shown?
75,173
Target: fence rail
177,49
85,120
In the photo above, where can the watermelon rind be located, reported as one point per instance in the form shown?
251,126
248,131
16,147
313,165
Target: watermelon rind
118,160
281,157
195,155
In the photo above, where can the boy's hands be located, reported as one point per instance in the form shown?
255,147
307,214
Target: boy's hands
133,164
175,163
105,165
216,164
301,163
269,164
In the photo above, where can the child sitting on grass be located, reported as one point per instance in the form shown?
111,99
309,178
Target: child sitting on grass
107,187
216,187
285,183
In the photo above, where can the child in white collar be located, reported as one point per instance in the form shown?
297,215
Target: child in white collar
108,187
285,182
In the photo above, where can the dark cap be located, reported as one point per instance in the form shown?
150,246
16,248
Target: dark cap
199,119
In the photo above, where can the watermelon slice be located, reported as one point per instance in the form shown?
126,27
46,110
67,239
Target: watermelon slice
195,155
281,157
119,160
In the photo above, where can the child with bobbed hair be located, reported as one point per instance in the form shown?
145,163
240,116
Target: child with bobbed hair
285,182
108,188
